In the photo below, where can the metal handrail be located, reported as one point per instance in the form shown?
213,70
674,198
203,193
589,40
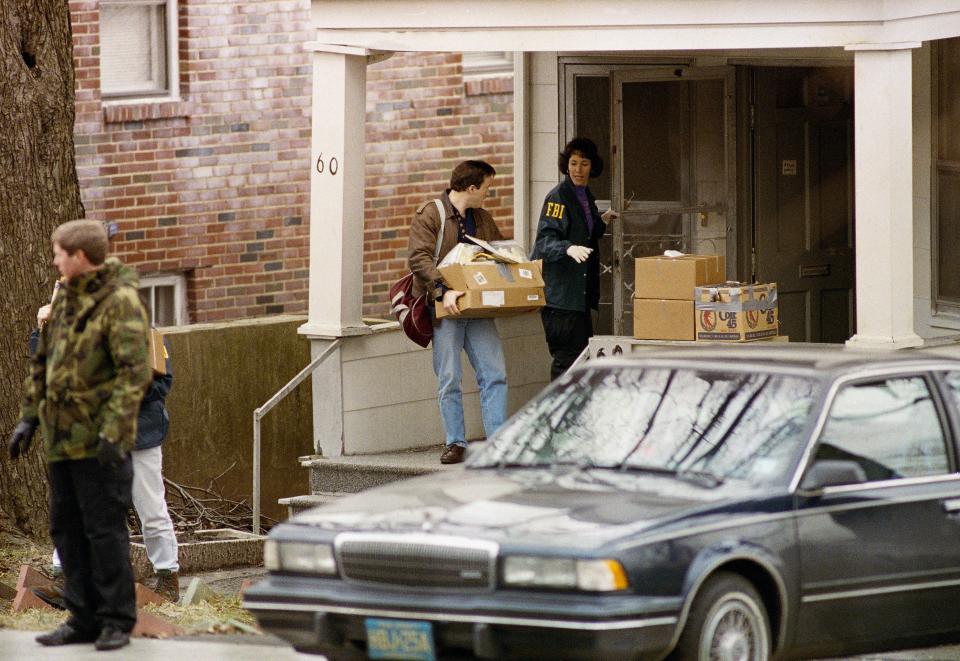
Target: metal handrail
263,410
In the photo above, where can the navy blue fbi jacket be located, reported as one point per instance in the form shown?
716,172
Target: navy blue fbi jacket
568,285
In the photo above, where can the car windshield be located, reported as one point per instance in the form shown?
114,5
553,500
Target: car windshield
716,425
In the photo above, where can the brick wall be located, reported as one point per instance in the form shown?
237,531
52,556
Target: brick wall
422,119
216,185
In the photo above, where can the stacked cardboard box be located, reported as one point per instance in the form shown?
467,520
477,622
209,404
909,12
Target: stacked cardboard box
494,289
664,288
735,312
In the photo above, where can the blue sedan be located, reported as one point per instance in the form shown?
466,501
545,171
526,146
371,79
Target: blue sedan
742,504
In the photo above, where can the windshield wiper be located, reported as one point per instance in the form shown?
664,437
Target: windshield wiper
700,478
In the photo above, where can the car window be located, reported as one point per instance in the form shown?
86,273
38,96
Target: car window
890,427
727,424
953,381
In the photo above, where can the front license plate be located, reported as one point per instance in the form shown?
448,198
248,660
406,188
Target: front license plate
400,639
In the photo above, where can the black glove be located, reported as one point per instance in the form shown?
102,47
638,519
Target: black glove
109,454
21,437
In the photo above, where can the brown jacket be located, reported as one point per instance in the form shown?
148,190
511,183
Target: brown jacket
423,241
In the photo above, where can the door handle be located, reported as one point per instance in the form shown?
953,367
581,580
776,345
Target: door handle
952,506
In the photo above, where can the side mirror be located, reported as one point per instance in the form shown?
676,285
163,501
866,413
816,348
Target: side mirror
832,473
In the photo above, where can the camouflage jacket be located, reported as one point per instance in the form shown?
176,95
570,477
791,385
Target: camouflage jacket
90,370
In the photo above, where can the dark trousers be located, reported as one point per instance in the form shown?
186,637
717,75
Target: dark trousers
567,335
88,523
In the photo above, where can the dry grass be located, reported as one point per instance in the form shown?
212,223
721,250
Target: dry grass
219,615
222,615
16,550
33,619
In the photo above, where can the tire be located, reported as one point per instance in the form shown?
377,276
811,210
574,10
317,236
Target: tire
728,622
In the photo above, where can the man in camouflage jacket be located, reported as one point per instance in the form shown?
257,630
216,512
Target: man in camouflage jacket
87,380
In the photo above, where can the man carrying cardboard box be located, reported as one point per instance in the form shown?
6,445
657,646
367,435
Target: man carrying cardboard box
462,216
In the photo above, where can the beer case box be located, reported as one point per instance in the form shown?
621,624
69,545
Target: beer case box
156,352
675,278
494,289
736,312
663,319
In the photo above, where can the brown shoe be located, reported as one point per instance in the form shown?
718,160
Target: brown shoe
167,585
453,454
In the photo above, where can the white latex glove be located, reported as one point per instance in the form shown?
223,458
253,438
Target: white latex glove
609,216
450,301
579,254
43,314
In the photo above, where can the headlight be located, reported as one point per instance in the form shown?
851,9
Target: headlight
564,573
299,557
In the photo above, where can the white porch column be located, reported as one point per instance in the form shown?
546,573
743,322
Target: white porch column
336,192
883,130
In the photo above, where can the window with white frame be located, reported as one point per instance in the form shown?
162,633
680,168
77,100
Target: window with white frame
165,297
487,65
138,48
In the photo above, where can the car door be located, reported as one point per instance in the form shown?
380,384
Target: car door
881,559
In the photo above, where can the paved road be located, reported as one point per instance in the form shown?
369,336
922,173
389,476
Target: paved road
20,645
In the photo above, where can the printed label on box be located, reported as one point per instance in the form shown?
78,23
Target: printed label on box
493,299
480,278
533,297
525,273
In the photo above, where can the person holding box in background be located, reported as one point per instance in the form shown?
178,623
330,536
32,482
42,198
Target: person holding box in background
459,214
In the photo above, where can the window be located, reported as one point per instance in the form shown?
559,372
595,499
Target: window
891,428
165,299
138,46
946,176
487,65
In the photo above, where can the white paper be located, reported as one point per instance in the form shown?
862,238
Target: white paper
492,299
533,297
525,273
480,278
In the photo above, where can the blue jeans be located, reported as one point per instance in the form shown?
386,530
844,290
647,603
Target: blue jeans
481,341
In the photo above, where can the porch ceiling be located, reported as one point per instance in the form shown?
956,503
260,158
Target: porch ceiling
628,25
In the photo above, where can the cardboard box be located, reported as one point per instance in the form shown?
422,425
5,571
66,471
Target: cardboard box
675,278
494,289
156,352
735,312
663,319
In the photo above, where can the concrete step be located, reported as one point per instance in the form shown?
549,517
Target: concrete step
335,477
297,504
353,473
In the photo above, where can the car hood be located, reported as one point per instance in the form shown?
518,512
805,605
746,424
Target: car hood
583,508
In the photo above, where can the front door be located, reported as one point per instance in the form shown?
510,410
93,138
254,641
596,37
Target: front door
802,239
671,143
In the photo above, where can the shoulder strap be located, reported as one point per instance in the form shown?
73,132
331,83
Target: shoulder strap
443,220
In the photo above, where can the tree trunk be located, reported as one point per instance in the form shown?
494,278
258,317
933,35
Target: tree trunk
38,191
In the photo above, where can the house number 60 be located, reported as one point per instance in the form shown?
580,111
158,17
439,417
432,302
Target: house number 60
332,167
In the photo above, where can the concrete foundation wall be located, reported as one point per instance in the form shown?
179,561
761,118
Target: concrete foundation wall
222,372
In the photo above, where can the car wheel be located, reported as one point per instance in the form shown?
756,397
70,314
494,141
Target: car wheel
727,622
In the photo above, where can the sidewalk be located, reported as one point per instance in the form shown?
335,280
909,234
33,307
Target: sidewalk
20,645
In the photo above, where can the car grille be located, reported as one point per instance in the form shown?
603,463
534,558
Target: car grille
417,560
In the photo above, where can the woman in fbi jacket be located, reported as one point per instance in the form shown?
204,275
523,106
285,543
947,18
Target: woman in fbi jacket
568,238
